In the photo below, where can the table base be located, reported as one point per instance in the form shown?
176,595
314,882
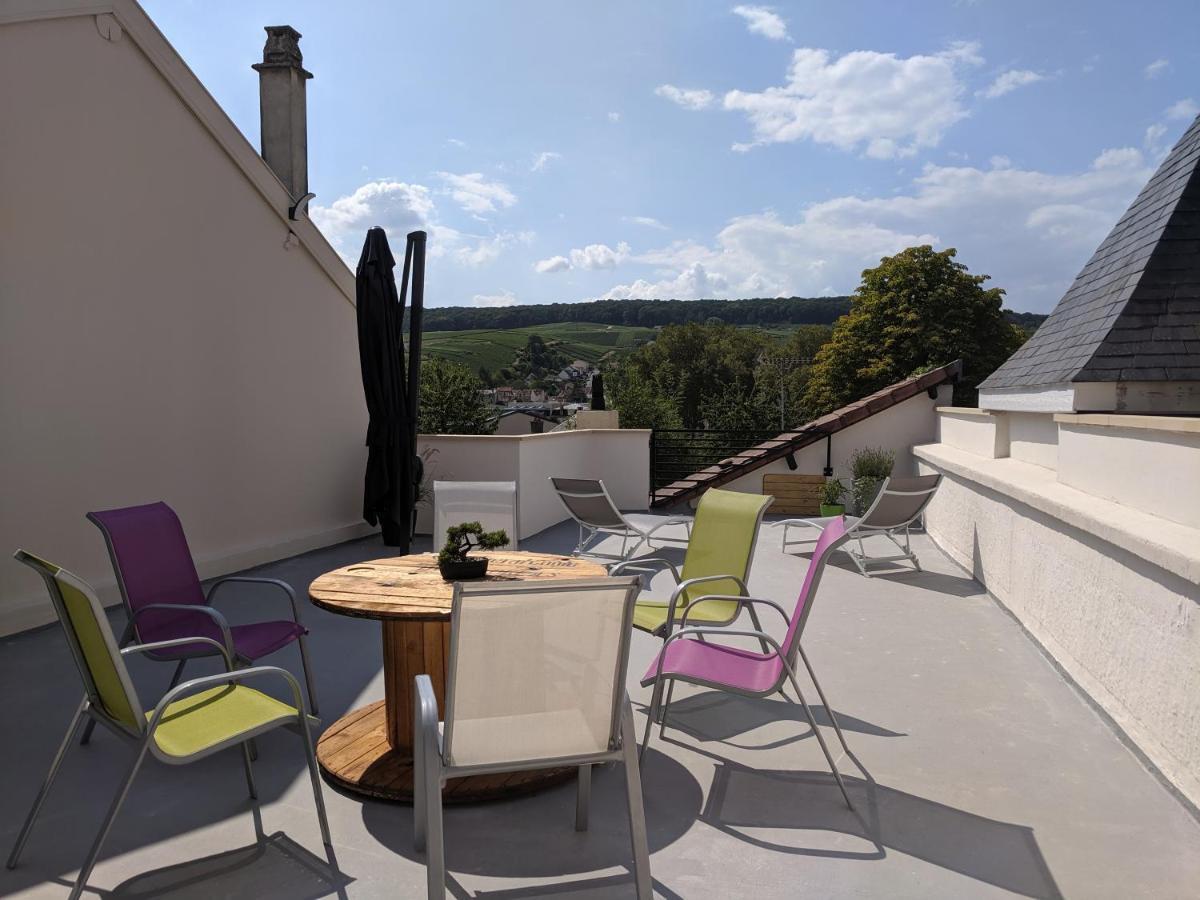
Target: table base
354,755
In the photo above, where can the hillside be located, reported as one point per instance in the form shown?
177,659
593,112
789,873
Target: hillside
494,349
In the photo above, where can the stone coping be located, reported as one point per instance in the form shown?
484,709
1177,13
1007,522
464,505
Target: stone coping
1168,545
964,411
1176,424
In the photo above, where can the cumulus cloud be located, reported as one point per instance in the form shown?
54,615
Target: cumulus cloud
1007,82
504,298
553,264
882,104
688,98
544,159
1183,109
476,194
1156,68
763,20
646,221
593,256
399,208
1030,230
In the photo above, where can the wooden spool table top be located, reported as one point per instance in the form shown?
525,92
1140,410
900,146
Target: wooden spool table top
369,750
411,587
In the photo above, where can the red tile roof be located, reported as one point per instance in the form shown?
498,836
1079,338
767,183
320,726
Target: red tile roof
790,441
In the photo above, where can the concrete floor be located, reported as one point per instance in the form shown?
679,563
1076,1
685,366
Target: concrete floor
989,775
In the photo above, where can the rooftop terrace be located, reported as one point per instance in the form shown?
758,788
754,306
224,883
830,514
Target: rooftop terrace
990,774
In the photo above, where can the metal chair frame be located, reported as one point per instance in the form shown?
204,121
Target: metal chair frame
91,711
432,747
859,528
591,534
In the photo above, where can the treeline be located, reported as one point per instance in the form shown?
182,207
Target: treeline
763,311
756,311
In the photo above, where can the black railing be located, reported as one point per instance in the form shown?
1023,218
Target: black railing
676,453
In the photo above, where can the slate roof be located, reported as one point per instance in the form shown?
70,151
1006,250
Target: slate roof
1133,313
789,442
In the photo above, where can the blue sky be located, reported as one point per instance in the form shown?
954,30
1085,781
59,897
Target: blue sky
566,151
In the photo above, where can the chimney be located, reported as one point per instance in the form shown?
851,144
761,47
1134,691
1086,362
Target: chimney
282,111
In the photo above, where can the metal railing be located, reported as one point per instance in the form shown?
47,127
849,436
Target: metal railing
676,453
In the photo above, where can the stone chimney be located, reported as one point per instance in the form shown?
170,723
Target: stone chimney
282,110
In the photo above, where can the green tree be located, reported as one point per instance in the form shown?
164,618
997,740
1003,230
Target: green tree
450,400
639,402
914,311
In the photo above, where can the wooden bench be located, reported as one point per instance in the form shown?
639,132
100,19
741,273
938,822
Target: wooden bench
795,495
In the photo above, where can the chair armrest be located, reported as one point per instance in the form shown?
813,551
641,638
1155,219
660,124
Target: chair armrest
238,675
425,715
178,642
246,579
226,634
735,597
637,565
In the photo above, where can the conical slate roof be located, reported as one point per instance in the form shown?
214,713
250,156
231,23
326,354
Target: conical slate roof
1133,313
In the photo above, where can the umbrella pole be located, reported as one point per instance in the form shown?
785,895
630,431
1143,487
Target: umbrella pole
416,247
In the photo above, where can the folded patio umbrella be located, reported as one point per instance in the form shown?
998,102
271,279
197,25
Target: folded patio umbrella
388,487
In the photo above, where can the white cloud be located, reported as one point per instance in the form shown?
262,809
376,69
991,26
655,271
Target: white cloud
614,117
762,20
400,208
553,264
688,98
475,194
504,298
455,142
883,104
1156,68
1007,82
543,159
1183,109
593,256
1030,230
646,221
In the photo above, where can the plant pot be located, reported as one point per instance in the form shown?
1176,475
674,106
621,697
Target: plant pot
463,569
832,509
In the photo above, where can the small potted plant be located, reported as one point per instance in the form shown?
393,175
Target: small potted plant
832,492
453,562
868,468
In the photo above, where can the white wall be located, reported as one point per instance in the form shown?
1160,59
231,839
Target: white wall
1033,438
620,458
157,340
914,421
1095,559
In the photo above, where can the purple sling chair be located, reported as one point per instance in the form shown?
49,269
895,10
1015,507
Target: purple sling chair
687,655
164,600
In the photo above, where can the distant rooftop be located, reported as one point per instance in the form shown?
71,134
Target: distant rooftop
1133,313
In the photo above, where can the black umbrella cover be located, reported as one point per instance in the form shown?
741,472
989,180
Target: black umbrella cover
388,487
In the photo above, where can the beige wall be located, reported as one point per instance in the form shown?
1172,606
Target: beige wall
620,458
1099,558
157,340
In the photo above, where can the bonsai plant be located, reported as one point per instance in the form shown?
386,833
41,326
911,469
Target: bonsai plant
453,562
868,468
832,492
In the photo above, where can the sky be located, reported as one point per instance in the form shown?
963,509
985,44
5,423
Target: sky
561,151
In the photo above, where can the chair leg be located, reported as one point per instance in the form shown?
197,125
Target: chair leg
94,853
820,693
662,713
178,673
45,789
583,797
766,649
435,859
246,764
315,777
86,738
655,699
308,679
637,808
820,738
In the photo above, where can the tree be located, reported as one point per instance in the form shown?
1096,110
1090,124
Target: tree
639,403
914,311
451,402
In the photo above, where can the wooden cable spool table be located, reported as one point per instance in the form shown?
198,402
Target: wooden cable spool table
369,751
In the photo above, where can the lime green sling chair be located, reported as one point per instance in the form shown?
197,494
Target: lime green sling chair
194,720
717,561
